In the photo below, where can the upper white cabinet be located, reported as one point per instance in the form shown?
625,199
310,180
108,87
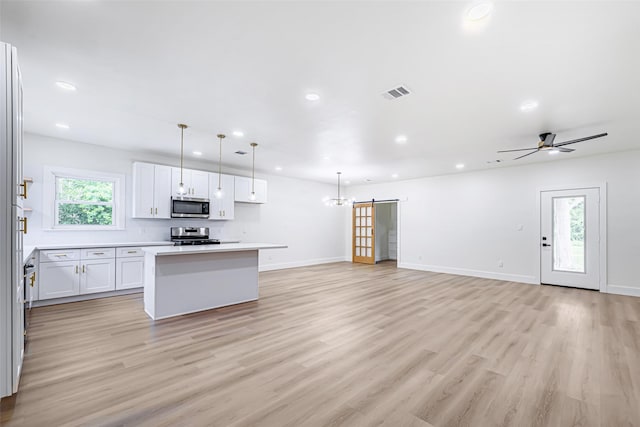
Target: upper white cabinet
243,190
222,208
151,191
196,183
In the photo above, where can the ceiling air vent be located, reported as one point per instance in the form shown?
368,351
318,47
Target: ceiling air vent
397,92
242,153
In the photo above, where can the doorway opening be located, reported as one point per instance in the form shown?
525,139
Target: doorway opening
375,232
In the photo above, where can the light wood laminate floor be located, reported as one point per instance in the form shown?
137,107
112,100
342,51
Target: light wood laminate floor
341,345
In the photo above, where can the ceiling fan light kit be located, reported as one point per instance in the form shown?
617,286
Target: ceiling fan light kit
546,143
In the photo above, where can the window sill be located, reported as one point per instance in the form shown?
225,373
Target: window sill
86,229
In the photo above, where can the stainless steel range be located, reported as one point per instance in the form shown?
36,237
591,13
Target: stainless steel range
192,236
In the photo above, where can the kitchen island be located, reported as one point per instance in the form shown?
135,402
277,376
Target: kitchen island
185,279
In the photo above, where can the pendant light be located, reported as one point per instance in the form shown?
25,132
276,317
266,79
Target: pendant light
219,193
252,195
338,201
181,189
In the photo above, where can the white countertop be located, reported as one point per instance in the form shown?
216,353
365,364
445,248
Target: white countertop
28,250
102,245
203,249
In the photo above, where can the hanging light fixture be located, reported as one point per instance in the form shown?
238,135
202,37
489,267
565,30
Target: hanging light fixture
181,189
252,195
219,193
340,200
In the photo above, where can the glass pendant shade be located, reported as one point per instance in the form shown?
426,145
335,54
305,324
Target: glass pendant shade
340,200
219,194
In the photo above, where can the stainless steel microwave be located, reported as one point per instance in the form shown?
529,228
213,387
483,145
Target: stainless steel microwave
189,207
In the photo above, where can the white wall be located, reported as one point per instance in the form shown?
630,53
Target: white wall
467,223
294,214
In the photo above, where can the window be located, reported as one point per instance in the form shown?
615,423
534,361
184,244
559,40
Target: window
83,200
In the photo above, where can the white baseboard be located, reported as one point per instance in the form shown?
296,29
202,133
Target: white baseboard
623,290
473,273
304,263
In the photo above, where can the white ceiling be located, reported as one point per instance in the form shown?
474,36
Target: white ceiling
141,67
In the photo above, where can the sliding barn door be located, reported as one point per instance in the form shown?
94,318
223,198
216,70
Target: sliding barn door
363,233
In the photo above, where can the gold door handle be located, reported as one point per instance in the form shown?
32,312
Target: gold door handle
151,211
25,223
131,252
156,211
24,189
76,269
32,280
83,269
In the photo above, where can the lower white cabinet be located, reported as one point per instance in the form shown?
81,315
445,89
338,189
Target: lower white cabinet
97,275
129,273
71,272
59,279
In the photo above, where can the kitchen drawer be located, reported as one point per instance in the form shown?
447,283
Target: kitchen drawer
98,253
129,252
55,255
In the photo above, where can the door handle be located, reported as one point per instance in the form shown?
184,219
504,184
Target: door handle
24,189
545,244
83,269
24,222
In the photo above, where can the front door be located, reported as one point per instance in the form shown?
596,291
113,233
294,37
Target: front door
570,233
364,223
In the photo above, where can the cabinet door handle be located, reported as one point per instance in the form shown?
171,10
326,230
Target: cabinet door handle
24,189
98,253
151,211
76,269
24,222
131,252
60,255
156,211
83,268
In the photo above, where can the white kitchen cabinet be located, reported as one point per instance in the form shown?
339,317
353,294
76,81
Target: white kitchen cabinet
243,190
196,183
59,279
97,275
151,191
222,208
129,273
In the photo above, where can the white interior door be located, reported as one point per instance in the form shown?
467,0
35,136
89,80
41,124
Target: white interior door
570,233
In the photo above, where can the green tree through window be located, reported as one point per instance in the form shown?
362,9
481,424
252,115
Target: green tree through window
84,201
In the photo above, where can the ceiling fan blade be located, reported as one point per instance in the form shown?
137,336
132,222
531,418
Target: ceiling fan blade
528,154
520,149
565,150
586,138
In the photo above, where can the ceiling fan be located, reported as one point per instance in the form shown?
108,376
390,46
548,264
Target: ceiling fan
546,144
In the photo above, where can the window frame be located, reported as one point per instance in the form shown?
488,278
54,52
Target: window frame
50,207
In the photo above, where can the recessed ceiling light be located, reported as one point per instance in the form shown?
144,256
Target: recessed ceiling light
394,175
312,96
479,11
278,168
460,166
66,85
197,153
401,139
529,106
327,158
553,152
62,125
238,133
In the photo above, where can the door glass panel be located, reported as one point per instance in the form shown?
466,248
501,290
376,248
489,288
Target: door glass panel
357,231
357,251
569,234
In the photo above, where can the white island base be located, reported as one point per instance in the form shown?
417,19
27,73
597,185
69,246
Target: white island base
181,280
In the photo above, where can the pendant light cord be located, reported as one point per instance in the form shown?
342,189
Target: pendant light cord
253,167
220,165
181,152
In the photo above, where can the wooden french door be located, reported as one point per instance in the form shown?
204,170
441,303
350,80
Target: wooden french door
364,224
